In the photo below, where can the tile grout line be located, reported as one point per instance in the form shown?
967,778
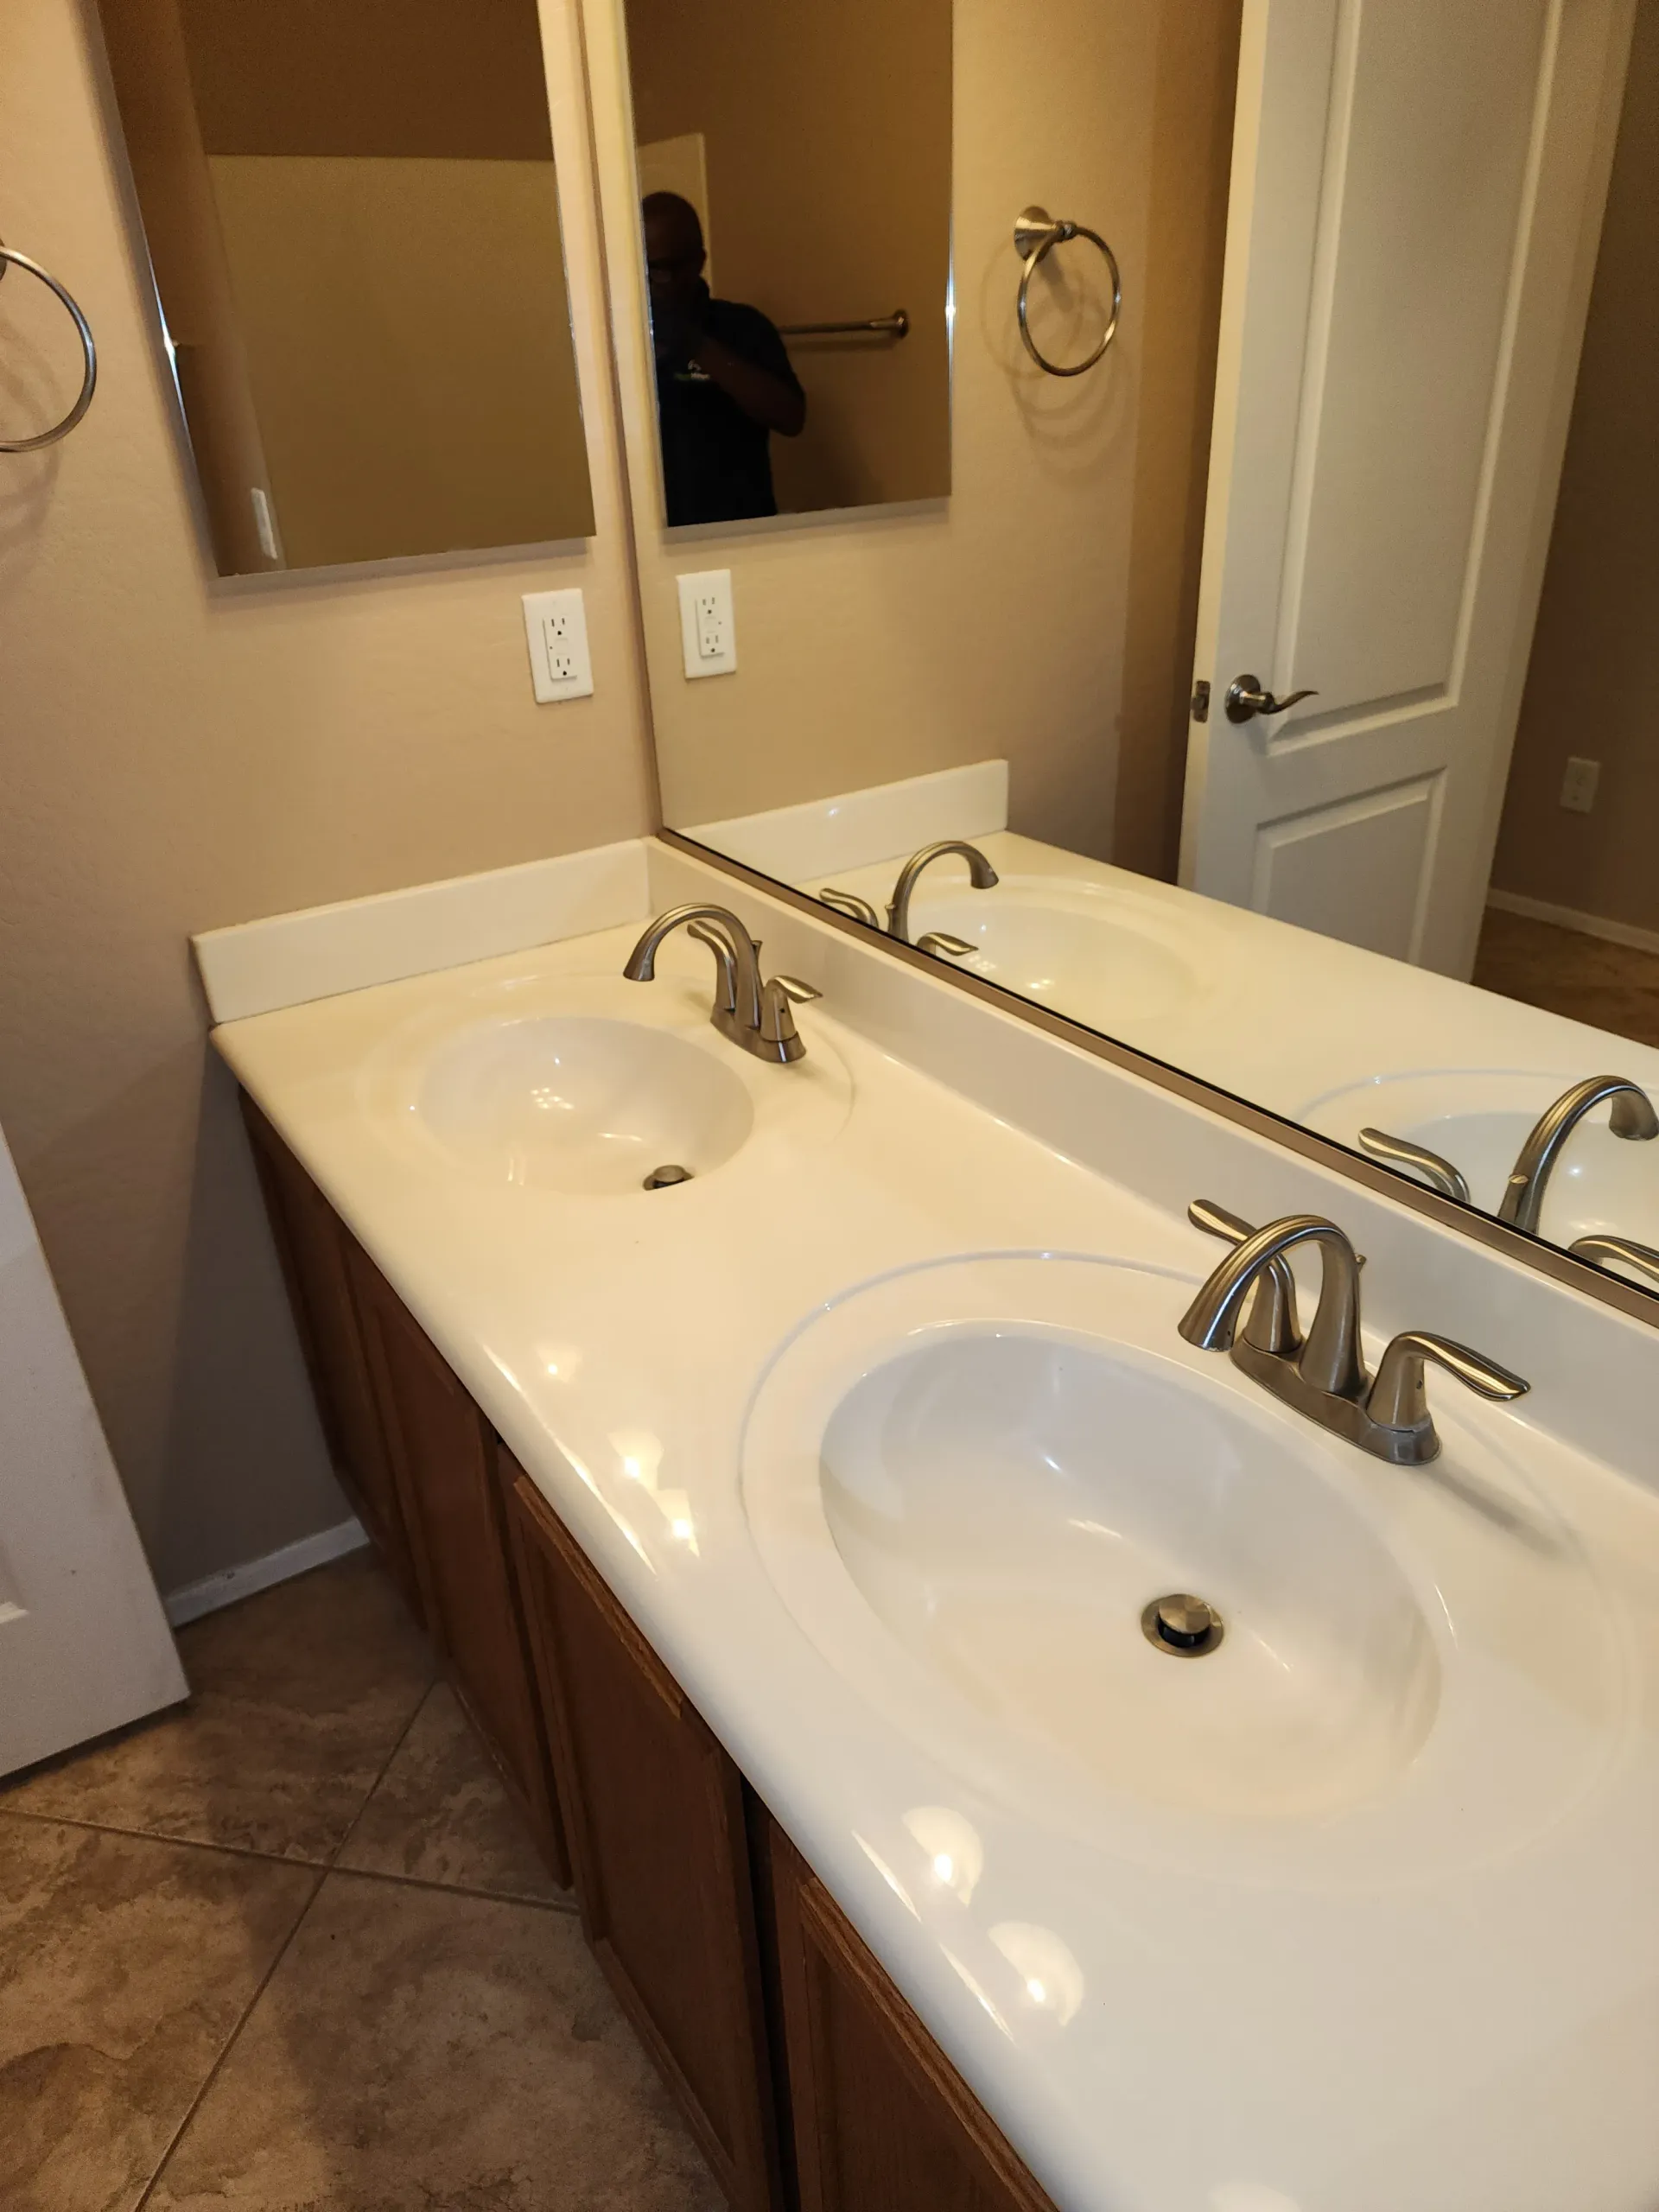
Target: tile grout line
234,2038
230,2042
276,1858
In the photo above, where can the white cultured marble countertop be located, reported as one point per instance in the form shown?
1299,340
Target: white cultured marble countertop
1477,2031
1284,1017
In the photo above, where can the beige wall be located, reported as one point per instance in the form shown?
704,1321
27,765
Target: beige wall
879,646
1592,687
827,134
176,753
407,342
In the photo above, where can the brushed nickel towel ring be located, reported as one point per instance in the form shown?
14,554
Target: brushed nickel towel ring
89,380
1035,231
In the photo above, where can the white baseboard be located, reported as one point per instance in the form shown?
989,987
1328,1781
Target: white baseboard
233,1582
1568,917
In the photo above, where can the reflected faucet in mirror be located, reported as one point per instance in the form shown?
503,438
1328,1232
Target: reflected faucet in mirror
1632,1117
981,874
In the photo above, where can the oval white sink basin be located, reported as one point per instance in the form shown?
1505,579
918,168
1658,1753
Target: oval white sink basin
1009,1503
969,1481
1074,947
1479,1119
578,1103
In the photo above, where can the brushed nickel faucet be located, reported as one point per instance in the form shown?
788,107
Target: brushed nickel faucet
1632,1117
981,874
1323,1376
1618,1252
757,1016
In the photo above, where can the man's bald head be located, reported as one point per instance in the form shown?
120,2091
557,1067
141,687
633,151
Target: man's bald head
674,249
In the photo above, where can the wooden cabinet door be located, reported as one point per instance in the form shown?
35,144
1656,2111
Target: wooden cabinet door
314,1247
881,2118
656,1820
444,1452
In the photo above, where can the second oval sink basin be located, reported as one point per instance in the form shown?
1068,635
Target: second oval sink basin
1080,949
1009,1505
578,1103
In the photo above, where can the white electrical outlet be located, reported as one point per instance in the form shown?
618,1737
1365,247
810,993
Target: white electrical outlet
708,632
1579,785
555,630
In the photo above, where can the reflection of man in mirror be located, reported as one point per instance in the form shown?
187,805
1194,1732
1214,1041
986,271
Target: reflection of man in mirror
723,379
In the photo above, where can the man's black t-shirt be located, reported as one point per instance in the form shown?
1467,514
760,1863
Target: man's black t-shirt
717,460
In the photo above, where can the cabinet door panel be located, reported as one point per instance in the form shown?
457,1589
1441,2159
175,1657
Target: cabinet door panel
312,1245
881,2118
657,1840
444,1451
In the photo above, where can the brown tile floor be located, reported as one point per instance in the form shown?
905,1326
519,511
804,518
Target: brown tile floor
290,1950
1612,986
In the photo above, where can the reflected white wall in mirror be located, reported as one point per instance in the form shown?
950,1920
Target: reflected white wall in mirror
352,214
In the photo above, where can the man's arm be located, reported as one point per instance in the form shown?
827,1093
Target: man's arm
775,401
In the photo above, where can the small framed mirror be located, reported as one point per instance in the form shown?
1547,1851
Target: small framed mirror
352,214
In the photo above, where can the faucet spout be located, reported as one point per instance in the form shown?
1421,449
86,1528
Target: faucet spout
981,874
739,947
1330,1359
1632,1117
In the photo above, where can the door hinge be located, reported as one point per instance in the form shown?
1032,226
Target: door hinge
1200,703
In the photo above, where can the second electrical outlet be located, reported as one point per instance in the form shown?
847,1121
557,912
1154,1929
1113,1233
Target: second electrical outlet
707,632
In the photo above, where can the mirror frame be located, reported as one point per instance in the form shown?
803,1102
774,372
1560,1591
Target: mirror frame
1550,1260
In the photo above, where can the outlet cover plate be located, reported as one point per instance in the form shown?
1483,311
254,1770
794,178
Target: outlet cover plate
708,628
556,630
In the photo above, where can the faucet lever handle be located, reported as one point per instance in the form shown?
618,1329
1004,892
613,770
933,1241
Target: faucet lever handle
850,903
1273,1324
1435,1169
1399,1396
1622,1251
779,996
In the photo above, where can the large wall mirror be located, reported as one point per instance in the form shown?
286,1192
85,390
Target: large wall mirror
794,171
352,218
1286,670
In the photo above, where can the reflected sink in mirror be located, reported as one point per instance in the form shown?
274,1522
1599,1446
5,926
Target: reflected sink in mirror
1072,947
1479,1118
572,1103
1008,1504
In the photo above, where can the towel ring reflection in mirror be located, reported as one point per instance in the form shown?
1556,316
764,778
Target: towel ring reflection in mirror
1035,233
89,355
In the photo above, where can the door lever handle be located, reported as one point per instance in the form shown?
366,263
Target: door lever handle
1246,699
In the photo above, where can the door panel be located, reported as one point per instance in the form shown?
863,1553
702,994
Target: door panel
1417,189
1366,855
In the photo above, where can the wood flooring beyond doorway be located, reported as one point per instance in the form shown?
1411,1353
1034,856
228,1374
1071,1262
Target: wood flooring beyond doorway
1610,986
289,1950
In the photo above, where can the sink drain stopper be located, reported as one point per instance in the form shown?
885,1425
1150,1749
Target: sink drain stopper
1182,1624
664,1179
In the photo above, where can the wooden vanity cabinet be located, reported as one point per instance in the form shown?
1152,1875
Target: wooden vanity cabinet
315,1250
880,2117
806,2078
444,1452
654,1810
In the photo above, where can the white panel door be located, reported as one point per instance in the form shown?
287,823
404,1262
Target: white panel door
1416,197
84,1644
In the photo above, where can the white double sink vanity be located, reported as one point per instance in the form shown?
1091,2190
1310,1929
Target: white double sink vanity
879,1426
